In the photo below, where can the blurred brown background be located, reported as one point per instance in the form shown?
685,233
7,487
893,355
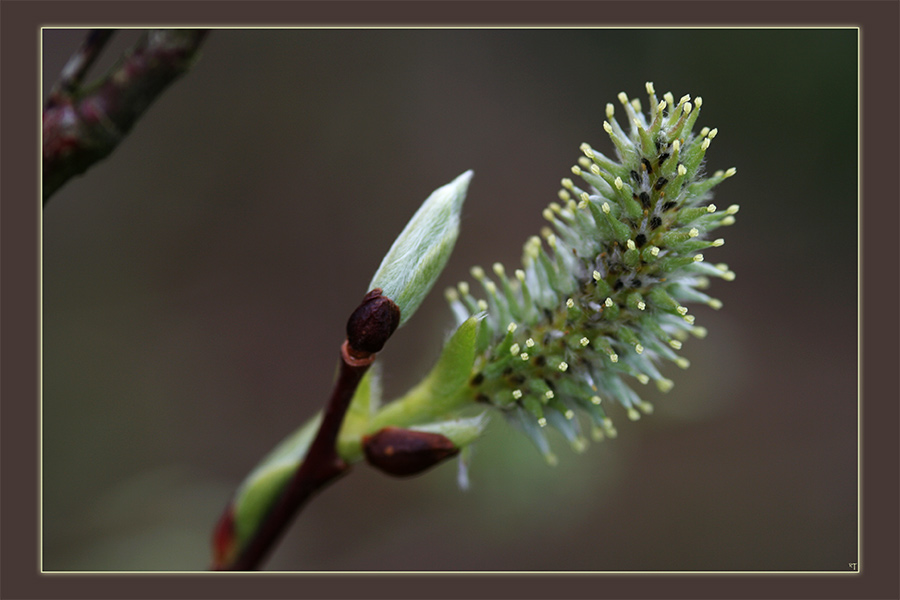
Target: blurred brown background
196,284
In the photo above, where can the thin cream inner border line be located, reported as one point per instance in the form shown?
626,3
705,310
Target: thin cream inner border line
859,331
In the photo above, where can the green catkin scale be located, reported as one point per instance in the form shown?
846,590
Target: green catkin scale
599,302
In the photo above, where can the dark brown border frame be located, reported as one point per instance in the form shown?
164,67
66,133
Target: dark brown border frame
19,257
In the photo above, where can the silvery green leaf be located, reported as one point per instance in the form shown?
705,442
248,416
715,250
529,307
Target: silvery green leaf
443,391
461,432
420,252
265,483
366,401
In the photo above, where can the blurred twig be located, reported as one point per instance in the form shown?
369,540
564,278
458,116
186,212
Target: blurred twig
84,125
73,73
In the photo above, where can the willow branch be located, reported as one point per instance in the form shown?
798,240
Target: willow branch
82,126
73,73
368,328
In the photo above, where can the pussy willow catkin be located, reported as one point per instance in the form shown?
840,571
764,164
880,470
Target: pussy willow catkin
601,300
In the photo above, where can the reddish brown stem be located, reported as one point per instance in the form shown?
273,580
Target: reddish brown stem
321,466
368,329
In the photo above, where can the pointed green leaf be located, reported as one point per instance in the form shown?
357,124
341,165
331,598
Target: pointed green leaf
365,402
420,252
265,483
461,432
443,390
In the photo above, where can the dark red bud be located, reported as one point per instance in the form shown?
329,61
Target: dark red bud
402,452
372,323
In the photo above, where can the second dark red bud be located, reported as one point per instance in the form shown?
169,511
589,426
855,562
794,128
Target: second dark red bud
403,452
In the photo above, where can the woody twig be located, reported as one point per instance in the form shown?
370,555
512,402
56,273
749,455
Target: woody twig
84,124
